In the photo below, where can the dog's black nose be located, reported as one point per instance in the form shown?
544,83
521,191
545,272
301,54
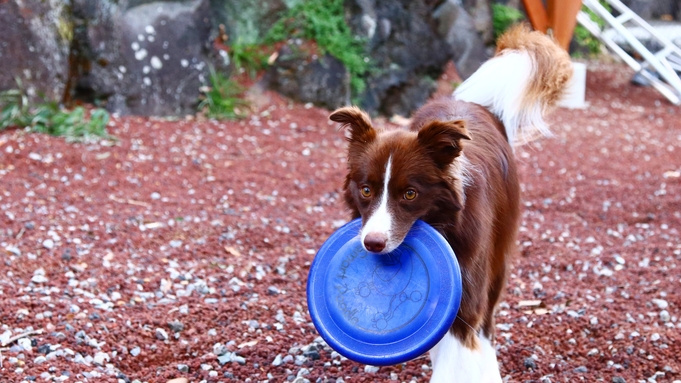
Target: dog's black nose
375,242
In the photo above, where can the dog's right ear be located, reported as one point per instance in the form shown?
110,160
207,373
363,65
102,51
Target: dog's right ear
442,140
361,130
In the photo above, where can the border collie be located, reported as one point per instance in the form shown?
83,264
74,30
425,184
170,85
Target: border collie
454,169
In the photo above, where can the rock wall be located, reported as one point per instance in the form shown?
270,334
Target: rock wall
35,46
151,57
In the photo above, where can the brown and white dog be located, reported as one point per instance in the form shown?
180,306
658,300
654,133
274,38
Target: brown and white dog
454,169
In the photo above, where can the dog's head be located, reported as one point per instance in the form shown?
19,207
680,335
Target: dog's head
398,176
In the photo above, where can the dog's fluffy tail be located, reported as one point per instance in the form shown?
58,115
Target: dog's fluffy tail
528,74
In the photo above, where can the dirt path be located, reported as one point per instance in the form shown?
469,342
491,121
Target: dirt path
183,250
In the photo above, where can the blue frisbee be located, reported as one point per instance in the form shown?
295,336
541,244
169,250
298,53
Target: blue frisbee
384,309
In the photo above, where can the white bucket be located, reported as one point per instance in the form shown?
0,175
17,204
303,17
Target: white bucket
574,95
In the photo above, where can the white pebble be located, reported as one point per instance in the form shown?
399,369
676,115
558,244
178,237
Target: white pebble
48,244
101,358
156,62
371,369
141,54
660,303
39,279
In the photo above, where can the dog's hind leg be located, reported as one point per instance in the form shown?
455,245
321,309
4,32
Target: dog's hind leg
454,362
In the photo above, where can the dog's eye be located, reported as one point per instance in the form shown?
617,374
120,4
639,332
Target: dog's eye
410,194
366,191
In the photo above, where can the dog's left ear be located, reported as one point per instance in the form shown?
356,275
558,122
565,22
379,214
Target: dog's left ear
361,130
442,140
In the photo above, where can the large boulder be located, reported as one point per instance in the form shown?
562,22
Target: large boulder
480,12
459,29
35,46
305,77
406,51
149,59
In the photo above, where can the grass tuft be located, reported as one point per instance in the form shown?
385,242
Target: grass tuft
222,100
249,57
49,118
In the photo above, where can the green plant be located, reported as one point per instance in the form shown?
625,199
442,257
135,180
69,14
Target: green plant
322,21
13,108
222,99
503,17
249,57
49,118
584,39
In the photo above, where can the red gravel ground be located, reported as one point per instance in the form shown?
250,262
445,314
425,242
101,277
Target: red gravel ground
186,245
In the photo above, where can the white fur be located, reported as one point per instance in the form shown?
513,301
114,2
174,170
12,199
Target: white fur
381,219
455,363
462,170
500,85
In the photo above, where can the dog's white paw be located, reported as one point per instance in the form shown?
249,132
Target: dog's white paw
455,363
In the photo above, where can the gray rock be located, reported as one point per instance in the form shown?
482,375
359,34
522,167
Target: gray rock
459,30
176,326
135,351
148,59
405,49
36,36
273,290
323,81
183,368
312,354
618,379
481,13
581,369
530,363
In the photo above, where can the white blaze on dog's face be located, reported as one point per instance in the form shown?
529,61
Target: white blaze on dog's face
378,227
396,177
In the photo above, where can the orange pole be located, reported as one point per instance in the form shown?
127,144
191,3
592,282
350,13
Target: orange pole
563,18
537,15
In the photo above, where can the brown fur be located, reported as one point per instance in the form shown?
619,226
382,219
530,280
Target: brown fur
483,233
480,230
